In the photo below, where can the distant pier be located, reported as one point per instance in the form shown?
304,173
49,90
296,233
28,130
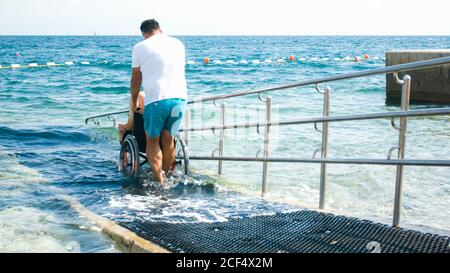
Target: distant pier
429,85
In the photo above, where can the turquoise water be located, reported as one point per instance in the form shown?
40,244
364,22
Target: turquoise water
48,151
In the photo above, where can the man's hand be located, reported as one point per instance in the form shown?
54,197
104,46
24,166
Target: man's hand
135,85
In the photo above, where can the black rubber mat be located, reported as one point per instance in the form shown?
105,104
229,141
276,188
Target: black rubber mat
301,231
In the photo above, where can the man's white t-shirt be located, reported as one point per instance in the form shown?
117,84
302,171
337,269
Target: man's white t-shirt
161,59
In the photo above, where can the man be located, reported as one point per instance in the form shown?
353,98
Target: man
158,63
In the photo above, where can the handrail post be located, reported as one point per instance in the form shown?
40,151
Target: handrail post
186,125
323,166
266,144
406,93
222,137
114,120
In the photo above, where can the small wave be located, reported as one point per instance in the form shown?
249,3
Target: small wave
110,89
50,136
117,66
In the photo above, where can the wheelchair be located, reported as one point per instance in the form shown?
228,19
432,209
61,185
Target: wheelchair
132,155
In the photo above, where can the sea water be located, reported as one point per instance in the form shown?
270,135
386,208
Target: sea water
47,151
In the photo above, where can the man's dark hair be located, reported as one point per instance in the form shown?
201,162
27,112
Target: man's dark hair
150,25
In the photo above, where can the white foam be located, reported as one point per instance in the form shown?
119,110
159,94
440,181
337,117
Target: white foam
256,62
347,58
69,63
376,58
15,66
51,64
280,61
314,59
325,59
218,62
28,229
33,65
337,59
85,62
243,61
302,59
230,62
190,62
269,61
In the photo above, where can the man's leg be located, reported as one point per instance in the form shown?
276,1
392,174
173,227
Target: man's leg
171,128
168,151
155,156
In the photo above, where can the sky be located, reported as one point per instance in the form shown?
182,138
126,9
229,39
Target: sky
226,17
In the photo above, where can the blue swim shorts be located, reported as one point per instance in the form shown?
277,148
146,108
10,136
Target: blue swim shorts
164,114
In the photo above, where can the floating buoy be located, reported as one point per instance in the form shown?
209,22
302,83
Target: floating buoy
243,62
357,59
33,65
291,57
218,62
190,62
366,56
15,66
256,62
69,63
206,60
230,62
280,61
51,64
85,63
302,59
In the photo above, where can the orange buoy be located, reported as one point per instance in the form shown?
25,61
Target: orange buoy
291,58
357,59
366,56
206,60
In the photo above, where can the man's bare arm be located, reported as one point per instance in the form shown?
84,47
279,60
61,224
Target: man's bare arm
135,86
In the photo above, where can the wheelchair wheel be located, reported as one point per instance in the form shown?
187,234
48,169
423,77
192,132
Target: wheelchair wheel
182,155
129,160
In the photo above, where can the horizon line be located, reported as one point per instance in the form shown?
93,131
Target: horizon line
228,35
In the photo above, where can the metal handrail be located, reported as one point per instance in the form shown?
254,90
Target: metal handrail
105,115
400,162
409,113
384,70
363,161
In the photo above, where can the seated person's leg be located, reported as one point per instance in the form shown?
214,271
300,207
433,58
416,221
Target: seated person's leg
123,127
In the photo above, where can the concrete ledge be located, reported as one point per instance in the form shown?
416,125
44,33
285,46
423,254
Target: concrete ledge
428,85
126,240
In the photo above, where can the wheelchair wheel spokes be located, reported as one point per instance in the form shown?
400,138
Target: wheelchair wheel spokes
129,157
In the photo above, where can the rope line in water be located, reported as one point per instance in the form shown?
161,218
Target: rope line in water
36,65
208,61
